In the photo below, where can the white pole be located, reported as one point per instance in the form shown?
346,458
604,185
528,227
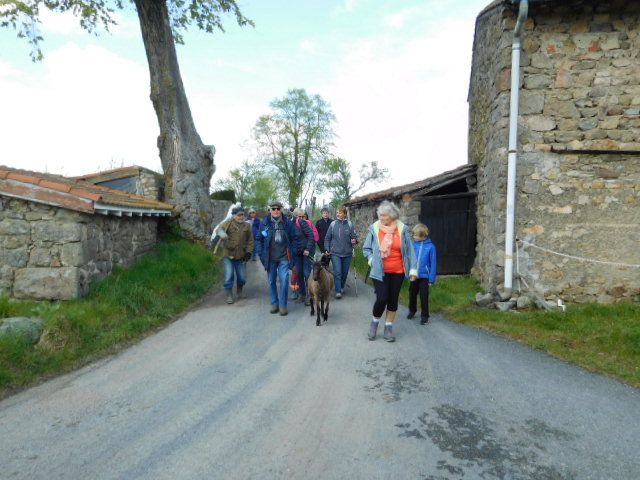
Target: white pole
513,147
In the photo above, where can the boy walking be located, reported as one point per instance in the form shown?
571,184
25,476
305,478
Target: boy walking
426,255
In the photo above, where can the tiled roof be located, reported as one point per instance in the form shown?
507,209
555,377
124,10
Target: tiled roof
114,174
75,194
423,186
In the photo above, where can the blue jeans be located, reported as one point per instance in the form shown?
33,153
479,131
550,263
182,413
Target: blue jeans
340,271
279,270
303,265
234,268
256,248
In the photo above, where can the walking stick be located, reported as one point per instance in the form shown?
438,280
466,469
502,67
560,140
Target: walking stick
355,271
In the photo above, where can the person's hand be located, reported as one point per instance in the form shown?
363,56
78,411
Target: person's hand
413,278
327,253
306,253
247,256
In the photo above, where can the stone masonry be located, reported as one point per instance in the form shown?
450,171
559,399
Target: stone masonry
578,177
53,253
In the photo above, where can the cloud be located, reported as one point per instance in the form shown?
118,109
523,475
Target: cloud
403,103
74,120
309,46
347,6
399,19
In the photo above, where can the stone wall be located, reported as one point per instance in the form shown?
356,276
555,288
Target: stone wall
53,253
150,184
364,214
579,138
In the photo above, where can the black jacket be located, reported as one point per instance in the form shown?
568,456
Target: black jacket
323,225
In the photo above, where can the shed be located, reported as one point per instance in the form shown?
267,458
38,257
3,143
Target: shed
446,203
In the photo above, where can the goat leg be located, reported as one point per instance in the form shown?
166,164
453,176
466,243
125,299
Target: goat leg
318,317
312,306
326,312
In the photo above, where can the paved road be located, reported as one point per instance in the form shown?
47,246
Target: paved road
231,392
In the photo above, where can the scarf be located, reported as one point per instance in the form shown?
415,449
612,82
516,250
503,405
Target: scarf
278,230
385,245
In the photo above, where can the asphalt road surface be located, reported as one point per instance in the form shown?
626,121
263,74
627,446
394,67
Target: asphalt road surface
232,392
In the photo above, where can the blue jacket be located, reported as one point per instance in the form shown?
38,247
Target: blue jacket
255,226
304,238
266,237
426,255
371,250
338,238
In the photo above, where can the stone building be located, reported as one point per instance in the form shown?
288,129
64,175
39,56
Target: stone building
58,233
133,179
578,170
446,203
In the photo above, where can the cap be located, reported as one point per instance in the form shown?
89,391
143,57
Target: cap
276,204
237,210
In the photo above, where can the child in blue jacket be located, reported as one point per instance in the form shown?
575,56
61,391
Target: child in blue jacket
426,255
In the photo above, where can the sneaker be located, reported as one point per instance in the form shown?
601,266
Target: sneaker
338,295
274,309
388,333
411,315
283,311
424,320
373,330
229,296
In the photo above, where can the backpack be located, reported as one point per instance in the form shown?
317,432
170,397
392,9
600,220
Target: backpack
316,235
348,223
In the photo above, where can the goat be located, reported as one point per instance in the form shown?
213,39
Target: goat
320,288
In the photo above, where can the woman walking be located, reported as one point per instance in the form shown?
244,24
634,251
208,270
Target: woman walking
389,250
306,246
339,242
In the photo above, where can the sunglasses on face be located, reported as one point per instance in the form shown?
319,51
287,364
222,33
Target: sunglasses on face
275,208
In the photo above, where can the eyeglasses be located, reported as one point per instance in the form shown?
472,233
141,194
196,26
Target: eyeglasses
276,208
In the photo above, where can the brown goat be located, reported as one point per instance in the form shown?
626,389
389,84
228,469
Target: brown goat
320,288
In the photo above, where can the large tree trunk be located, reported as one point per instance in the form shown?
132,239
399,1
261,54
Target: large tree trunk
186,161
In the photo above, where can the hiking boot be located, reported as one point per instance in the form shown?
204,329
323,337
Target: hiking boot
239,291
424,320
338,295
283,311
388,333
229,295
274,309
373,330
411,315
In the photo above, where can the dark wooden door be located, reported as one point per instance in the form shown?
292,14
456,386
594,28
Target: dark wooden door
452,225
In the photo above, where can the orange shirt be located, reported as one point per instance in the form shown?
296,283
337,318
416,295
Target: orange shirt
393,263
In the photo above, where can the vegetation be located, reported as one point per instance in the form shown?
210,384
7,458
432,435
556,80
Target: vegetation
338,179
122,308
600,338
229,195
252,184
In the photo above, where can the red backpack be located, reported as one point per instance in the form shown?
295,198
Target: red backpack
316,235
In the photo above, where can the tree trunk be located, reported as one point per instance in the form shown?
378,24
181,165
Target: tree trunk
186,161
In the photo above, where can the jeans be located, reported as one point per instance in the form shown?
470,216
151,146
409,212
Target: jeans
340,271
303,265
279,270
256,247
231,267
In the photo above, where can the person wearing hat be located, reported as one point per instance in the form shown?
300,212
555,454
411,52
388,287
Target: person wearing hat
238,247
255,227
323,225
277,241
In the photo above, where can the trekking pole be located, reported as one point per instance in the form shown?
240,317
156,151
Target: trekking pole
355,270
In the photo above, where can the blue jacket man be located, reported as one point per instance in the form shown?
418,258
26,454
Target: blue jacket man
278,244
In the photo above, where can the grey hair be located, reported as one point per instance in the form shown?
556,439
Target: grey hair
388,208
298,211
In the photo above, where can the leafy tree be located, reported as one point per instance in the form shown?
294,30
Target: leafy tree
338,181
186,161
295,139
252,184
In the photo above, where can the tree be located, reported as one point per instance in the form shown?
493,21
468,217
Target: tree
295,139
337,178
252,185
186,161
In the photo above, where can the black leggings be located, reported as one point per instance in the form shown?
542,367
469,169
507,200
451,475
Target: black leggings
387,293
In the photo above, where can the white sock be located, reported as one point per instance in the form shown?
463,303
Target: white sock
376,320
388,324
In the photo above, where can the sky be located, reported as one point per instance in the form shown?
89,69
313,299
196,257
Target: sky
395,72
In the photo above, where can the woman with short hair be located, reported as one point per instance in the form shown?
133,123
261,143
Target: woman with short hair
389,251
339,242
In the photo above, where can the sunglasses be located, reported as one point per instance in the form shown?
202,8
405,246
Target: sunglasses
276,208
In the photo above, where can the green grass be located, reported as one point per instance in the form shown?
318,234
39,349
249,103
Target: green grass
122,308
600,338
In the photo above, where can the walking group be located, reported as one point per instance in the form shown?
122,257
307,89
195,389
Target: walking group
287,241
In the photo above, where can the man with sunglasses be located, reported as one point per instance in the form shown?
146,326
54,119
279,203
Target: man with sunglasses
277,246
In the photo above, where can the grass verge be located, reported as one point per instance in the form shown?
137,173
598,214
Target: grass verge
600,338
119,309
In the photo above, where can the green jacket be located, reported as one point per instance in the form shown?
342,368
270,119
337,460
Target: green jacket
239,239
